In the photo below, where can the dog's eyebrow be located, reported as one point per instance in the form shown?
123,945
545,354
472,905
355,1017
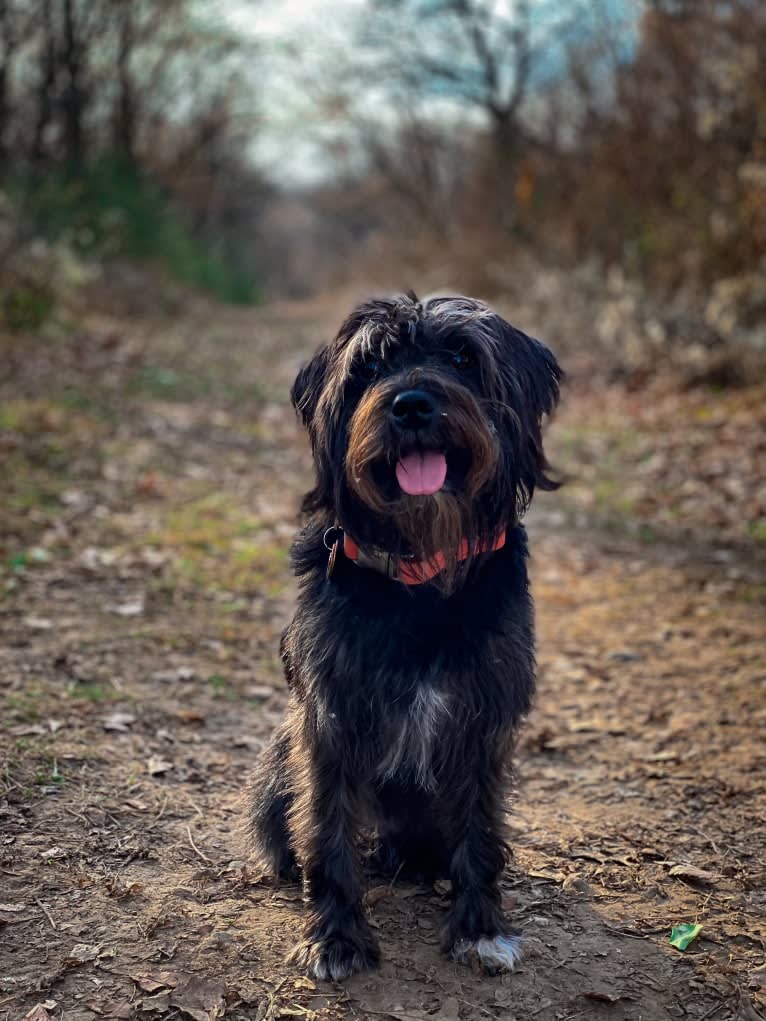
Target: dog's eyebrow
470,320
366,337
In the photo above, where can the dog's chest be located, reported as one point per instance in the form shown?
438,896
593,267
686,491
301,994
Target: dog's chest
411,738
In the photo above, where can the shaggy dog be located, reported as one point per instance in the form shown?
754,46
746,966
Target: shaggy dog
410,660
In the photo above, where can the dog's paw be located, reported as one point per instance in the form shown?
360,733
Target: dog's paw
489,955
336,957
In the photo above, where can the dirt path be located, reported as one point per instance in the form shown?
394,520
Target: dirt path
153,476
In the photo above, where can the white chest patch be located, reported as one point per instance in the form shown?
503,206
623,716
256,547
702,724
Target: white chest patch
411,749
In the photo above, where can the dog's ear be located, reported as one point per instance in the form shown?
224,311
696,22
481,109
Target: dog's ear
534,378
539,373
308,386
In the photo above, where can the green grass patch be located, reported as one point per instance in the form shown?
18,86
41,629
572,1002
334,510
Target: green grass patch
88,405
158,382
610,496
21,708
47,439
26,308
222,547
48,774
218,683
111,209
91,691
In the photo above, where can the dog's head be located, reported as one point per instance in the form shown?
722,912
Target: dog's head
425,423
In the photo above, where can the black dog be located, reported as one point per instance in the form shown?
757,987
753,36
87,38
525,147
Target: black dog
410,660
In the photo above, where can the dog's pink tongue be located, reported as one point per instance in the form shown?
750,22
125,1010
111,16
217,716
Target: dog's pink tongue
421,474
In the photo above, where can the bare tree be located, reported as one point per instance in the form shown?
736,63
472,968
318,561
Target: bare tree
8,42
486,56
479,65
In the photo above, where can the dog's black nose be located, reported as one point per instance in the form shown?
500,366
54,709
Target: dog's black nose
413,409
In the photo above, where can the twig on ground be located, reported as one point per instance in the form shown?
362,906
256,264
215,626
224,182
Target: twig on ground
194,847
47,914
625,932
161,812
713,1010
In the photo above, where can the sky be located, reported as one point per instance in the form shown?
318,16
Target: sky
301,43
296,37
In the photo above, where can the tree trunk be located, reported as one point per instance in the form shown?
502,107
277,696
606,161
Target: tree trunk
73,100
46,82
507,151
7,47
125,114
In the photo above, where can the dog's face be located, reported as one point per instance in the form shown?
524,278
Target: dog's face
425,424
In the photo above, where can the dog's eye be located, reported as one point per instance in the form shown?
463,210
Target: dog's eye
462,359
370,367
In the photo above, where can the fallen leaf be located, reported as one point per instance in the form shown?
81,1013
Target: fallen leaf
81,953
191,716
120,721
53,852
131,609
12,907
181,673
154,981
92,558
149,484
682,936
38,623
37,1013
304,983
376,894
157,766
693,874
602,997
202,999
153,557
261,691
159,1003
450,1009
625,656
576,884
119,1010
26,730
248,741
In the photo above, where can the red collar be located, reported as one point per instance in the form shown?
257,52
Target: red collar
409,572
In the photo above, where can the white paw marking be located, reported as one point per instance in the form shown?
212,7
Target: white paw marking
501,953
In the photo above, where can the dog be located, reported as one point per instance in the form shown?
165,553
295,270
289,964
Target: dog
410,659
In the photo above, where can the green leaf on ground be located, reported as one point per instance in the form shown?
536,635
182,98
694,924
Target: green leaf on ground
682,936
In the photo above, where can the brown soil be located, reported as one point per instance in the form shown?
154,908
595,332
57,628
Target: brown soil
152,480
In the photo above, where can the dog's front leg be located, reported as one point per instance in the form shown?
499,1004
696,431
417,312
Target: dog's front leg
476,931
337,940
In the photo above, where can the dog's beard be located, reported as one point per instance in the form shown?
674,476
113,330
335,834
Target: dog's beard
436,523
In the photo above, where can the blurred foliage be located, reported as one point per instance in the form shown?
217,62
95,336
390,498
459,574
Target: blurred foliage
113,210
124,135
26,307
498,144
475,143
